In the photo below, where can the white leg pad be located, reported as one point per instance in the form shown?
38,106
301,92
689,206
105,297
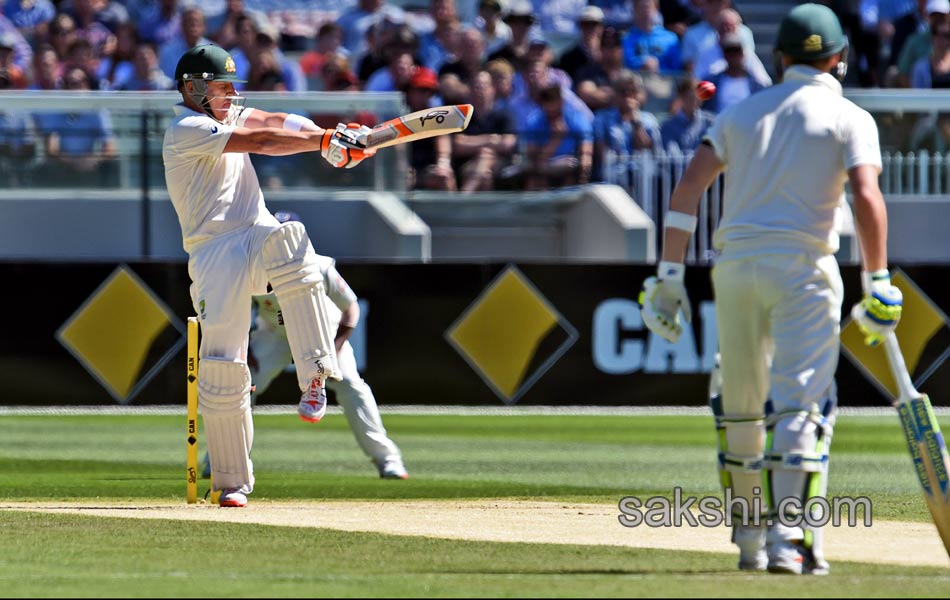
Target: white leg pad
295,275
224,397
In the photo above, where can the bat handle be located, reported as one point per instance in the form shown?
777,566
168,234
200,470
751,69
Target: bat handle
898,368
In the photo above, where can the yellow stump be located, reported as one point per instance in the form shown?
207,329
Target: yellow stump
192,429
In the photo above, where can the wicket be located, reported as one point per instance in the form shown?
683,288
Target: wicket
192,429
191,439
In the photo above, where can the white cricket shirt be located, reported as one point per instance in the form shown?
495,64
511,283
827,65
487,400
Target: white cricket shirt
787,150
213,192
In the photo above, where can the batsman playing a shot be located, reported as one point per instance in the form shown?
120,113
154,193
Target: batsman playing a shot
236,247
788,151
269,354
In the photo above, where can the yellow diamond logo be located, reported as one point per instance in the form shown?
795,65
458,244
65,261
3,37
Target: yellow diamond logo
511,335
922,334
123,334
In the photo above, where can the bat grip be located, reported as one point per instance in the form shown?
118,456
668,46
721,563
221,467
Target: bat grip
898,368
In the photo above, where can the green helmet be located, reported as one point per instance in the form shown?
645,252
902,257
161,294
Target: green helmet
207,62
810,31
201,65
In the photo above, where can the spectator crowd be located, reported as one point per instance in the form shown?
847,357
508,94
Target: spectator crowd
556,84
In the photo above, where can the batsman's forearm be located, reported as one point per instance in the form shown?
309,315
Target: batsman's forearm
272,141
870,219
701,172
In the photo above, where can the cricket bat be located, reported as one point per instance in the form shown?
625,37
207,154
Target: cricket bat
924,440
422,124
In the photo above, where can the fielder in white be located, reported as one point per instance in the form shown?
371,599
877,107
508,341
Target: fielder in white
269,354
788,151
235,247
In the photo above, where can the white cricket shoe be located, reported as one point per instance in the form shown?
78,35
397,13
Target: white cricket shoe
791,558
751,543
313,403
232,499
393,469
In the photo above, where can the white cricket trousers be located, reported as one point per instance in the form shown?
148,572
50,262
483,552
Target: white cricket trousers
779,318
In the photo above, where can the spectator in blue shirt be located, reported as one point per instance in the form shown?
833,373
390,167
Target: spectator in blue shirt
31,18
624,128
650,47
159,22
192,34
685,130
22,51
80,146
559,143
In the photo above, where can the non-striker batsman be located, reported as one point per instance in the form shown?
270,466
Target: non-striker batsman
236,247
787,152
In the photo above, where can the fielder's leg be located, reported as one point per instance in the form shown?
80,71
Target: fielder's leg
293,271
362,413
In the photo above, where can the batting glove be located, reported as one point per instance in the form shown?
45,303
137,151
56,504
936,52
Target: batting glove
878,313
662,299
341,147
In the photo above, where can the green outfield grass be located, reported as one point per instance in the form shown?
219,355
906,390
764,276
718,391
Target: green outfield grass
589,458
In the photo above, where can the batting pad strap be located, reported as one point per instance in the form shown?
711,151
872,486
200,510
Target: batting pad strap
809,462
735,463
679,220
294,122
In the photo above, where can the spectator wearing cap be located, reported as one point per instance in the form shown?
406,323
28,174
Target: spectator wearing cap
31,18
358,19
439,46
456,77
536,76
710,57
158,22
700,47
685,129
520,19
559,143
192,34
487,144
594,83
587,50
430,159
495,31
919,44
733,81
22,51
625,128
650,47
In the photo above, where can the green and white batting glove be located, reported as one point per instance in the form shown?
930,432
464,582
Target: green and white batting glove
878,313
662,299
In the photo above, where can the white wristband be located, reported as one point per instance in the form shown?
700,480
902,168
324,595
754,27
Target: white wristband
869,278
671,271
296,122
681,221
